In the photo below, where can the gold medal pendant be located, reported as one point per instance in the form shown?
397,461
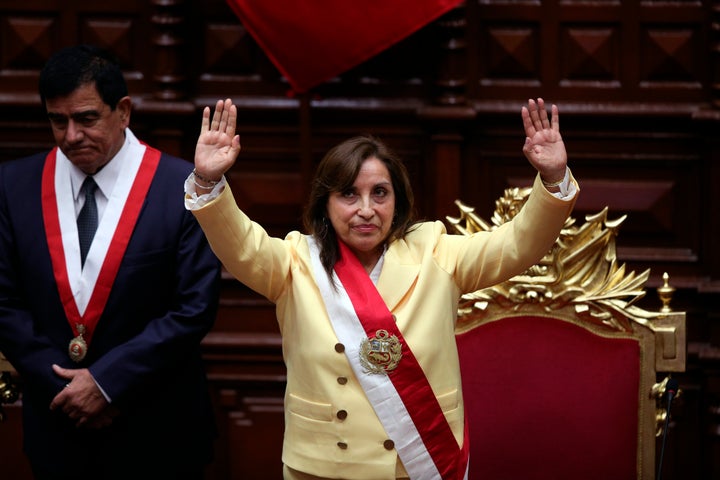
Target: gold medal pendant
78,346
380,354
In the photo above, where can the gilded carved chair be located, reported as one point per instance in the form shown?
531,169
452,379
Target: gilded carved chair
9,391
560,367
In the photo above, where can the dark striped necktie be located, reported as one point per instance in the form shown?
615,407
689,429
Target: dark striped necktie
87,220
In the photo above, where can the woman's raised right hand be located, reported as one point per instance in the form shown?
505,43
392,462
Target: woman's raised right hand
218,146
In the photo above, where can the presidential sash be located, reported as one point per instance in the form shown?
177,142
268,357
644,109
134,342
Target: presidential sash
388,371
85,296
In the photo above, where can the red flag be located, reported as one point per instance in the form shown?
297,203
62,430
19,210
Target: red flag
311,41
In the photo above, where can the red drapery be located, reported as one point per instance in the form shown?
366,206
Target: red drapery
311,41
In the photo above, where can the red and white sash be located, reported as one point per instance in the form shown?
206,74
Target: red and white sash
402,398
84,292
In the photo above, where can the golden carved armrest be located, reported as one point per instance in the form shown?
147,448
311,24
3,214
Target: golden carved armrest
9,391
5,364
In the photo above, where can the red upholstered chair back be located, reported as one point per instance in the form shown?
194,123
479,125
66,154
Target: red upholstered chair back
549,400
560,368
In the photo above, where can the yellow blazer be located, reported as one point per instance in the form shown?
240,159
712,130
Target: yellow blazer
330,427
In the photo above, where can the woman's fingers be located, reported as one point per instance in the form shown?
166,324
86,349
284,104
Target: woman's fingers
224,118
205,124
544,121
232,120
536,118
217,116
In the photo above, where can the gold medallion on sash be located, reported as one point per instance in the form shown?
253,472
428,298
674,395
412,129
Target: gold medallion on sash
78,346
381,354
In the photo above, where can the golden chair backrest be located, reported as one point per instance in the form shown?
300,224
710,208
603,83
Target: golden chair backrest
4,364
9,391
579,281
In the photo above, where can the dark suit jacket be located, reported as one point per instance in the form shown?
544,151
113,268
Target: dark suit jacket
145,350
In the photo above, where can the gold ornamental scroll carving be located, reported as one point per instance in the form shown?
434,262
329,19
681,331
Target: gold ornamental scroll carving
581,280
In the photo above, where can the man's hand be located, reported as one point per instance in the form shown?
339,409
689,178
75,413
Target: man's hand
81,399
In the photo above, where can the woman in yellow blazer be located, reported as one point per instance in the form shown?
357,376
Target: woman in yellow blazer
367,300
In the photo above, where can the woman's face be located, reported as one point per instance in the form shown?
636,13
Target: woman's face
363,214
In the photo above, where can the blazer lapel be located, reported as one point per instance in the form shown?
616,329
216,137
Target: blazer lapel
398,274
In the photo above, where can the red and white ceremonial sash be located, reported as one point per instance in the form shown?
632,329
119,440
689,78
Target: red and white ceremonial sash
84,293
402,397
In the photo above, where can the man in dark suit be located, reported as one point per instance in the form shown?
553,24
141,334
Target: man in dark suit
105,336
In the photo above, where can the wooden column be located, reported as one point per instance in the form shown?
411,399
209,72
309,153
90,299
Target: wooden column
447,116
171,56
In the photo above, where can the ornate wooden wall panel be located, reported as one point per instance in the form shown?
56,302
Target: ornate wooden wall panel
605,51
636,83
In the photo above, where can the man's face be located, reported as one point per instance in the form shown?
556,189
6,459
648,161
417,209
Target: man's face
87,131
